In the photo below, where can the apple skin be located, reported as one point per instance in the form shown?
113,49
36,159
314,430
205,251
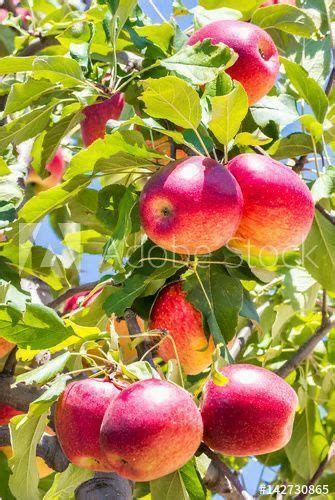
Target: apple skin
93,126
252,414
78,417
78,300
55,167
6,413
278,206
5,347
257,66
276,2
174,313
191,206
150,430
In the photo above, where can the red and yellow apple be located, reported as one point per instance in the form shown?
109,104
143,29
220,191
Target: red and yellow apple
151,429
55,168
96,116
78,418
252,414
191,206
278,206
257,66
175,314
6,413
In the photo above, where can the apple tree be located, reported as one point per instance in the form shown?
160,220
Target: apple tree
184,164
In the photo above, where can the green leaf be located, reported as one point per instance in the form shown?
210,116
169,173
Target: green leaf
300,289
25,434
246,8
120,151
324,186
172,99
307,88
44,373
192,481
308,445
46,400
46,201
25,127
159,34
170,487
282,110
319,252
179,8
292,146
257,138
200,63
219,298
228,112
121,10
37,328
13,64
24,94
59,69
312,126
4,170
286,18
65,483
5,473
140,370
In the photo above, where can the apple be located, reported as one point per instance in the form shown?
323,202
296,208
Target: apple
175,314
55,168
96,116
5,347
191,206
6,413
78,417
73,303
278,206
23,13
276,2
257,66
151,429
252,414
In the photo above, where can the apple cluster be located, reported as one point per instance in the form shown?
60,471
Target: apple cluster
152,427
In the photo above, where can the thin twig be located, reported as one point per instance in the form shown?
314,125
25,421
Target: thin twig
326,214
134,330
241,340
330,82
306,349
37,45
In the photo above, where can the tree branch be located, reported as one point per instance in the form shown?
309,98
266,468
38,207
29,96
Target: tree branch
330,82
10,363
220,479
135,330
326,214
20,396
37,45
88,287
241,340
306,349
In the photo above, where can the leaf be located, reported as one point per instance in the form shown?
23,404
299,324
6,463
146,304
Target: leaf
159,34
170,487
307,88
292,146
46,400
25,127
192,481
200,63
281,110
46,201
140,370
121,10
222,302
5,473
179,8
24,94
286,18
246,8
257,138
324,186
65,483
13,64
228,112
172,99
59,69
37,328
312,126
319,252
300,289
45,372
25,435
308,445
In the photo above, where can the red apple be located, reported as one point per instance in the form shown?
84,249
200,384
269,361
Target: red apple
175,314
78,417
76,301
151,429
6,413
278,206
191,206
257,66
252,414
93,126
276,2
56,169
